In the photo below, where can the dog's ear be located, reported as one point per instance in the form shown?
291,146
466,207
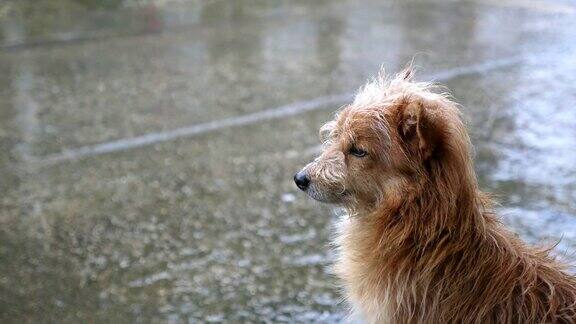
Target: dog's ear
416,128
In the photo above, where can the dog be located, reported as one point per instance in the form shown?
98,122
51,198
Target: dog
421,243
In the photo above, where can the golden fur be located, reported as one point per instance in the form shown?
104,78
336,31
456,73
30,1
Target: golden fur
421,243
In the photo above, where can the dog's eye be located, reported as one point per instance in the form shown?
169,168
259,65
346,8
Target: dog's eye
357,152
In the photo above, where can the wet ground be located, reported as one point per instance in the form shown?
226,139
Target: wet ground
146,153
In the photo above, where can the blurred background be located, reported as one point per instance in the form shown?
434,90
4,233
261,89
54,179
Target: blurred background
147,147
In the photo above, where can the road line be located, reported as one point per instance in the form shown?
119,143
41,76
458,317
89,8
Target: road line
264,115
542,6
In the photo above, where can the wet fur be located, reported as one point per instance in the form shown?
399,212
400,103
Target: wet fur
421,243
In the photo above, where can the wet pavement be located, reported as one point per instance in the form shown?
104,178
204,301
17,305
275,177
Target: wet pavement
146,153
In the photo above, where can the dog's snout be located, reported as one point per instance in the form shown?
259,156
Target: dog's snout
302,180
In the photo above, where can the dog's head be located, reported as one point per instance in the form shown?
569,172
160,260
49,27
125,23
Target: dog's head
384,143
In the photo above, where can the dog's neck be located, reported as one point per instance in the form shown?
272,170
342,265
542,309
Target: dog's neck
444,199
405,239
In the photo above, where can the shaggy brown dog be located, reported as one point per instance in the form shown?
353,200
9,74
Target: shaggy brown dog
421,242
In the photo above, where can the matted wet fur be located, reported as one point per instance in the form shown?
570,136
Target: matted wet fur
421,243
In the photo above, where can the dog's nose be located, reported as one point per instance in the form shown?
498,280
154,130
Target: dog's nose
302,180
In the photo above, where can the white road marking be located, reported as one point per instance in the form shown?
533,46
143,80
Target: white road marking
543,6
268,114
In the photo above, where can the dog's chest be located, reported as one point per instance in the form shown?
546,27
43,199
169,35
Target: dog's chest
364,287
